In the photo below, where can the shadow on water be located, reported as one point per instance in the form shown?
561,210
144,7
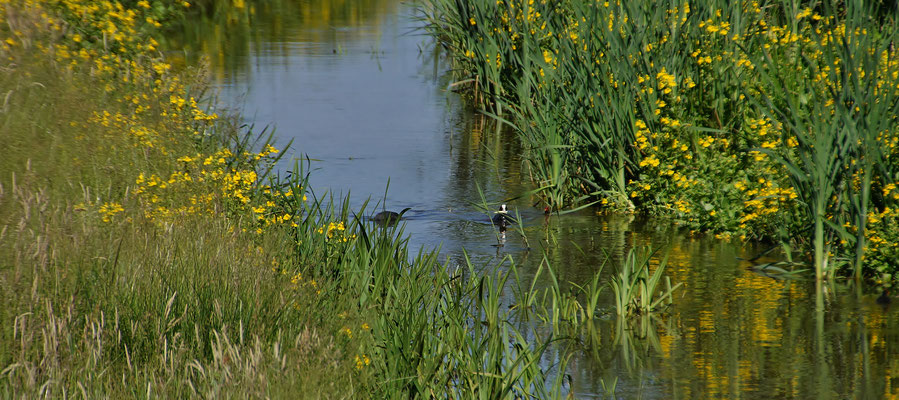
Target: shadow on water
349,84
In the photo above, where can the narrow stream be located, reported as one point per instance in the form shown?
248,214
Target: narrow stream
355,86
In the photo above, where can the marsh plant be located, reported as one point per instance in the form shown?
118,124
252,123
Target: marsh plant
639,291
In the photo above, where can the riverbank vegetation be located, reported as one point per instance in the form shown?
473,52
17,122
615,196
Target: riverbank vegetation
147,248
763,120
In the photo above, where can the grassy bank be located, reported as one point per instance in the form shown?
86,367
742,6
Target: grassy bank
762,120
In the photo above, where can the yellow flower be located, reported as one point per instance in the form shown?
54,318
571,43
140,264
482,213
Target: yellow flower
361,362
547,56
108,210
665,79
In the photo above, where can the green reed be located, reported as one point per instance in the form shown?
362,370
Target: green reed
592,292
636,290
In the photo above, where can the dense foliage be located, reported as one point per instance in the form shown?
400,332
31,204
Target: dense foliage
762,120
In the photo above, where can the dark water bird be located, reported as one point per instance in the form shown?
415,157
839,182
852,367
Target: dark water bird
502,219
389,218
884,297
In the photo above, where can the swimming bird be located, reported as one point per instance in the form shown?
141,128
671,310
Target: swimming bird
389,218
884,297
502,219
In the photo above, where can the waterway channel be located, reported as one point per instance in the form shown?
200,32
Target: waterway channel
357,87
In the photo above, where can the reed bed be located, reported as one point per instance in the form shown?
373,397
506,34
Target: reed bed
762,120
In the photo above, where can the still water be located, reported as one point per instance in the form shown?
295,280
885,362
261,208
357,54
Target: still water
358,88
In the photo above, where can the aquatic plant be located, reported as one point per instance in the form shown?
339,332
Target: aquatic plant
636,290
591,292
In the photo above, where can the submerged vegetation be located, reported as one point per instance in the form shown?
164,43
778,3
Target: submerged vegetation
763,120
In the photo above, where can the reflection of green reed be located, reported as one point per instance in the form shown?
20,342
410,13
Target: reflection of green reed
636,289
557,306
223,30
591,292
837,117
636,337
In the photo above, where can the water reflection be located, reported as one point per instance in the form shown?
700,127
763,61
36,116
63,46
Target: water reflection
354,90
230,32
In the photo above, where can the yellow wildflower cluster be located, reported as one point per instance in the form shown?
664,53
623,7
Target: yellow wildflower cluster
766,199
763,204
881,237
641,137
207,180
666,81
337,231
891,191
154,112
297,281
112,44
109,210
362,361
